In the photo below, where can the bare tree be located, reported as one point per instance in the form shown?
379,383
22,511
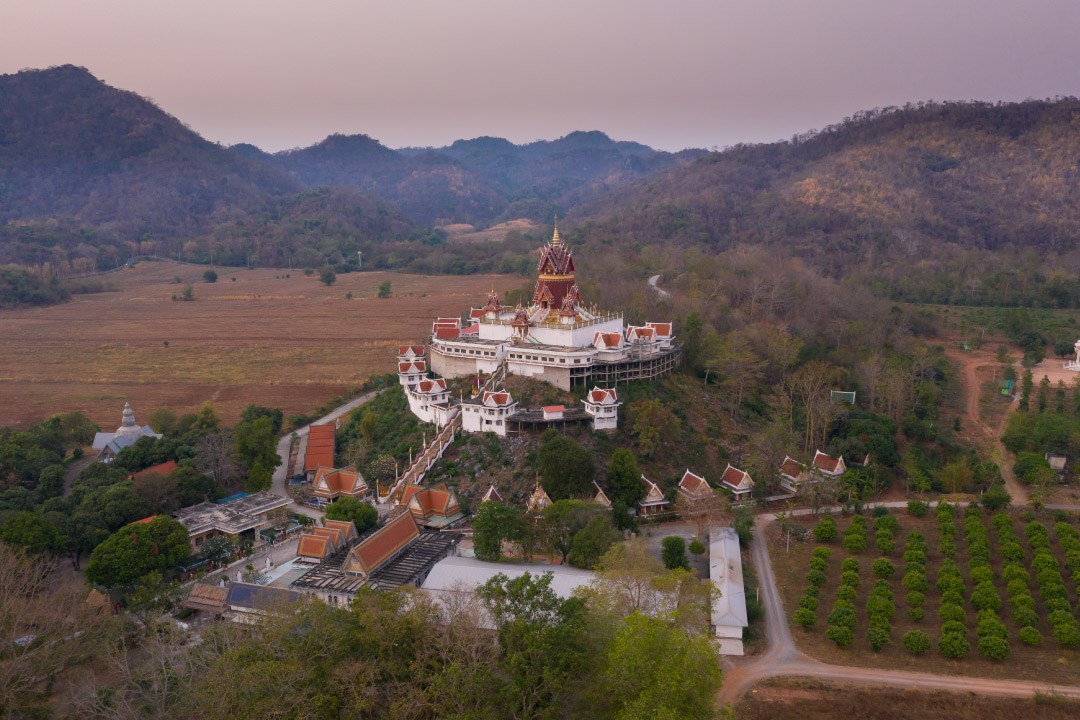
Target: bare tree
216,455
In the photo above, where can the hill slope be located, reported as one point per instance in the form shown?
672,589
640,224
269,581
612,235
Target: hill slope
474,181
935,201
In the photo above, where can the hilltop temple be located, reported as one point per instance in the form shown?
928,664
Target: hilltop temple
558,338
109,445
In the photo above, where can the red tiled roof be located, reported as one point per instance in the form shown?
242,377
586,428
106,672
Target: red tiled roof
345,526
792,468
694,484
662,329
408,492
477,313
345,481
824,462
163,469
499,398
598,395
417,350
313,546
447,333
735,477
554,408
437,500
381,546
436,385
473,329
334,535
144,520
320,447
602,339
412,366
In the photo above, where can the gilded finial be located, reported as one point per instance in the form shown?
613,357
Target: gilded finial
555,238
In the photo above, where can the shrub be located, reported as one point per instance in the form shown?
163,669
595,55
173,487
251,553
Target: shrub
877,636
982,575
985,596
1017,587
881,587
879,512
918,509
883,568
1058,617
822,552
1015,572
841,635
815,577
952,626
849,565
948,611
850,578
1022,601
991,627
810,602
993,647
854,543
953,645
1012,551
1057,604
915,557
805,617
916,641
818,564
952,597
916,613
915,581
697,548
1067,634
887,522
915,598
843,616
880,607
885,544
1030,636
1024,616
825,529
845,592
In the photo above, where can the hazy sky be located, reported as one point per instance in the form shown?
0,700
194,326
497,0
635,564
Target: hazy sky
670,73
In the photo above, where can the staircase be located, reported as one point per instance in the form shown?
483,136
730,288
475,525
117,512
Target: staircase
423,462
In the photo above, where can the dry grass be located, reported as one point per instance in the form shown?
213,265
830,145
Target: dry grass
285,342
816,700
1047,661
496,233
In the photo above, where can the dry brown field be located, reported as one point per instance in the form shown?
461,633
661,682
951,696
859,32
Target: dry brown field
283,342
496,233
1047,661
801,699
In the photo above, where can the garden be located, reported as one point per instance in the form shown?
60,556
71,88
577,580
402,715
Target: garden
943,590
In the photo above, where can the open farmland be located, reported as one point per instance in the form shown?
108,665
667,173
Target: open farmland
288,342
1046,661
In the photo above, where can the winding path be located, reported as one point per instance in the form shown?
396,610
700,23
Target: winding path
661,291
285,443
783,658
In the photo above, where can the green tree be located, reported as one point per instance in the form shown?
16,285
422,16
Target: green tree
624,477
564,519
673,553
1027,384
653,669
163,420
593,541
361,514
327,276
29,530
566,468
384,289
254,412
256,443
206,418
542,638
493,524
188,294
210,276
996,498
916,641
136,550
259,478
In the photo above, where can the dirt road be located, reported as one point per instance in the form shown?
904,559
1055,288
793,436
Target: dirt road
783,658
970,363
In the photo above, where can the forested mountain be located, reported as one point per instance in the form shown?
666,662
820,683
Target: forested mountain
954,202
474,181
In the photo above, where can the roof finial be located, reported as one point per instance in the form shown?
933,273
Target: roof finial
555,238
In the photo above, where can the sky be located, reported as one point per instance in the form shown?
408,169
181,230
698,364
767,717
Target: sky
669,73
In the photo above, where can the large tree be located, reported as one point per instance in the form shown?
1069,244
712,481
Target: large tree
361,514
566,468
256,443
493,524
136,550
624,478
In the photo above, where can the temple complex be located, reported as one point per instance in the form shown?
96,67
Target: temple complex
109,444
558,338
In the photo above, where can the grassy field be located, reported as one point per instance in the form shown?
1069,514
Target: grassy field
816,700
1046,661
288,342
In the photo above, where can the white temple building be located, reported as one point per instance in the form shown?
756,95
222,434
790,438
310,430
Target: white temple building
109,444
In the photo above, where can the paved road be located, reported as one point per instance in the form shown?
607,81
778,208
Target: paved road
653,284
278,486
783,658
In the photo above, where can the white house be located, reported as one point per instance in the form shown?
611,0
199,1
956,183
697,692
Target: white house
554,412
654,502
793,475
487,412
429,400
738,481
828,466
603,406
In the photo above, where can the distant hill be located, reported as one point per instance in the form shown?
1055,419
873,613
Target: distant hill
953,202
475,181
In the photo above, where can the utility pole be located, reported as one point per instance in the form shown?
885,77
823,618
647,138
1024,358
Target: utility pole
359,258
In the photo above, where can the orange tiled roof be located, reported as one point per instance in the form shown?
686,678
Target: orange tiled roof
598,395
824,462
473,329
320,447
334,535
437,500
694,484
496,398
313,546
607,340
447,333
416,350
792,468
329,482
412,366
662,329
735,477
345,526
554,408
436,385
369,555
477,313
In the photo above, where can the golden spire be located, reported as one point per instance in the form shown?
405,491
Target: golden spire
555,238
